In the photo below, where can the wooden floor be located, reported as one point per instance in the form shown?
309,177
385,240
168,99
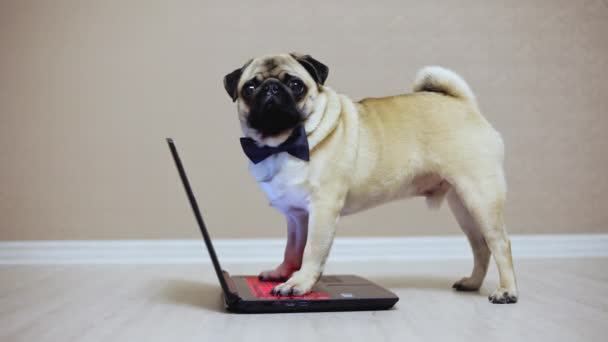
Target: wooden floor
561,300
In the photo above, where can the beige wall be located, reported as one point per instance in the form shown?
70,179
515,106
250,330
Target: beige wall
89,90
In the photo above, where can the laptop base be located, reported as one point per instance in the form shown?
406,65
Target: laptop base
331,293
285,306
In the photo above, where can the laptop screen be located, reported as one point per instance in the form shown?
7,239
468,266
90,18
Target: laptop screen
199,219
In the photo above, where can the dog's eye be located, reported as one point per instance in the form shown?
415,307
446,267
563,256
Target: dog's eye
296,86
248,89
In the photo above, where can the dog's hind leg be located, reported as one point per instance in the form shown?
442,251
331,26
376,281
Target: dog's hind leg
481,252
484,198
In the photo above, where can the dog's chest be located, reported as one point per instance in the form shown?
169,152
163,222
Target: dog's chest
284,179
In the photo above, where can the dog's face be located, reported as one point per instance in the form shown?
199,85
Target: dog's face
275,94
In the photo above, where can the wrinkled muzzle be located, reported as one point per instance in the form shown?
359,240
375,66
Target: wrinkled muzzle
273,110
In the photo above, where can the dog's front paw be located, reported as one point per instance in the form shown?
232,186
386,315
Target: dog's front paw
299,284
281,273
503,296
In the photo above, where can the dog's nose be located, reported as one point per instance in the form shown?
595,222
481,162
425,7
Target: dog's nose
270,88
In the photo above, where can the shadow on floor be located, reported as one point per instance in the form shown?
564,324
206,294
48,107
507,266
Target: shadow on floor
423,283
417,282
191,293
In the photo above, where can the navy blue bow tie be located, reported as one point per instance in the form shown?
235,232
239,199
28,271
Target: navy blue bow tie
296,145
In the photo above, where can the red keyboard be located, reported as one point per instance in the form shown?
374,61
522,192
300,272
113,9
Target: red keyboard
261,289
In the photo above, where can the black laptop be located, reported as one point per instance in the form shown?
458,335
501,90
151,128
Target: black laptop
248,294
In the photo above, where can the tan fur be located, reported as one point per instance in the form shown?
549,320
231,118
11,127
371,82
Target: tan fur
427,143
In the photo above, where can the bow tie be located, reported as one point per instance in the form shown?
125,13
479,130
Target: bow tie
296,145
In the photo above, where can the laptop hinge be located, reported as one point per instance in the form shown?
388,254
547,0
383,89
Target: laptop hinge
232,295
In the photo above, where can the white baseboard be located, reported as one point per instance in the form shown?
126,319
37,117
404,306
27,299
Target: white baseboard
271,250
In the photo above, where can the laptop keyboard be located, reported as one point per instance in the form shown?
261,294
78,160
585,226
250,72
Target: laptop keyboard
261,289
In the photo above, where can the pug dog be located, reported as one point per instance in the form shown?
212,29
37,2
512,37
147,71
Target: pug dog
319,155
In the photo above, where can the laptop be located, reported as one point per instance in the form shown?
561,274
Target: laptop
248,294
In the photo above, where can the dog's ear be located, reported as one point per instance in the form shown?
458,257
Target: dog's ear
231,81
316,69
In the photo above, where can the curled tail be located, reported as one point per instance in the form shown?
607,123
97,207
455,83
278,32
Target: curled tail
441,80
